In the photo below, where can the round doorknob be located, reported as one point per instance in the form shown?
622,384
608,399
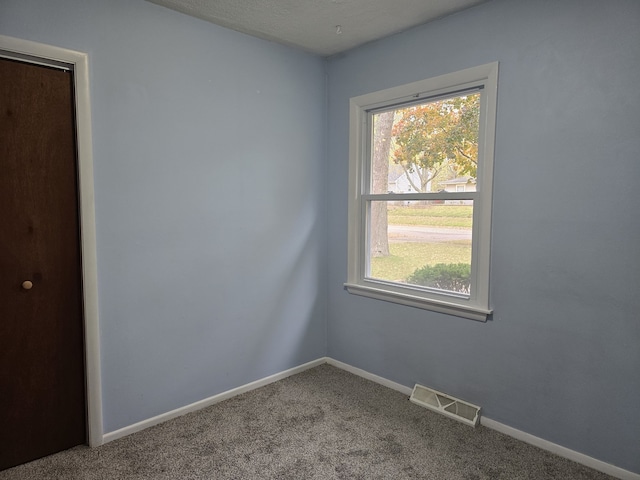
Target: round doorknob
27,285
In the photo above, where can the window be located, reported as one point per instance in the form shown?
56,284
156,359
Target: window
426,245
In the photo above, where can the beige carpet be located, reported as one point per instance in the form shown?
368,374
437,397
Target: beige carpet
321,424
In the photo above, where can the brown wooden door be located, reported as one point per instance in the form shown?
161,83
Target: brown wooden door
42,394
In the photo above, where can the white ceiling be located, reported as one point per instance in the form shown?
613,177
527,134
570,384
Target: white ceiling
324,27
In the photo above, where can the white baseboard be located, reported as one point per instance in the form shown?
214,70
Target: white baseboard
150,422
560,450
370,376
487,422
502,428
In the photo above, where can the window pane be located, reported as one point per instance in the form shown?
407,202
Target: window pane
421,243
428,147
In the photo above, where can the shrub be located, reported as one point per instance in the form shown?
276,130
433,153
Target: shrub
444,276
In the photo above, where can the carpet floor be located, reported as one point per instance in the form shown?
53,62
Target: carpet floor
323,423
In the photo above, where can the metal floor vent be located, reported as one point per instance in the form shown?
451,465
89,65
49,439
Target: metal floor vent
446,405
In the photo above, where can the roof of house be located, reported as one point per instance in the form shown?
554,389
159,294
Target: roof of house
395,172
459,180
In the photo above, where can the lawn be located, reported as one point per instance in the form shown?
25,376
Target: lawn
406,257
455,216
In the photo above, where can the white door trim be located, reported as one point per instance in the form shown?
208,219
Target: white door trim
46,54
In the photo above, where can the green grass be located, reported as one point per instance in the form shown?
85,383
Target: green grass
405,258
454,216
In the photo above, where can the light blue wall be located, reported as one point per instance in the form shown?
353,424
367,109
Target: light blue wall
209,181
561,357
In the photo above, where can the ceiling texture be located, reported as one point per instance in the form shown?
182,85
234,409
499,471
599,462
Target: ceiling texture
323,27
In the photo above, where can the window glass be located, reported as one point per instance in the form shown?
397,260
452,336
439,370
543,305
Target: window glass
425,147
426,244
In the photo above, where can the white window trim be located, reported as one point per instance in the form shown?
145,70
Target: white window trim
477,305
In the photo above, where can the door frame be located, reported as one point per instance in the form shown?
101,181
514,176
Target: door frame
78,62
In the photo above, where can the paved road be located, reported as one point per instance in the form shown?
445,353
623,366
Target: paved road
419,233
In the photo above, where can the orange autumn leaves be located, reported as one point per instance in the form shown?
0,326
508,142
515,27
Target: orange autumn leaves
437,136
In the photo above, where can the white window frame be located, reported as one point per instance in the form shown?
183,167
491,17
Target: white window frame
475,306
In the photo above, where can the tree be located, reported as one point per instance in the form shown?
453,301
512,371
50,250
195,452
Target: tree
382,126
435,136
463,136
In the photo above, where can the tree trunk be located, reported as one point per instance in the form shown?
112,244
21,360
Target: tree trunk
380,183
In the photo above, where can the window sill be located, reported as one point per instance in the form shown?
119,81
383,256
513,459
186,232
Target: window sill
441,306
